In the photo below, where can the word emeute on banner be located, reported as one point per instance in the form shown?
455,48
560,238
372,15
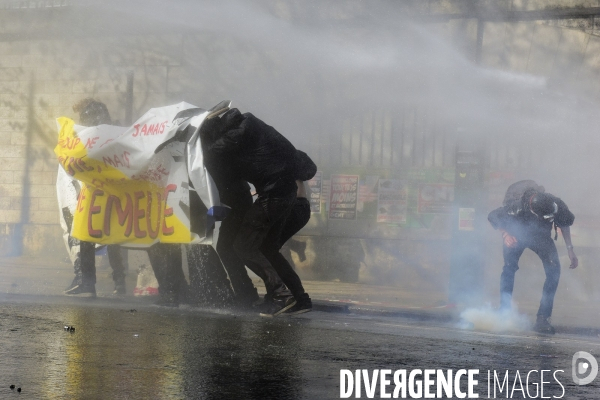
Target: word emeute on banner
130,192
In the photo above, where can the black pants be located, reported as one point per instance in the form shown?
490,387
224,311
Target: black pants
263,224
545,248
296,220
86,262
166,261
242,285
208,280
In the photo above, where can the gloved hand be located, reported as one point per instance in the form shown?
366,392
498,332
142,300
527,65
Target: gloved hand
509,240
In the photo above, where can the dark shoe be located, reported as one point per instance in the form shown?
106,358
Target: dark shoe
119,288
543,326
76,282
301,307
277,306
82,290
168,300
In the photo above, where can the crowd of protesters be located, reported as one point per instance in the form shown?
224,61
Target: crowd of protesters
239,150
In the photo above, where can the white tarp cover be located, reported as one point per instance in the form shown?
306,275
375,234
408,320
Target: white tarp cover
128,193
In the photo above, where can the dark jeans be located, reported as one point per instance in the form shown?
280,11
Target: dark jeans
262,225
242,285
296,220
166,261
208,280
85,265
545,248
117,258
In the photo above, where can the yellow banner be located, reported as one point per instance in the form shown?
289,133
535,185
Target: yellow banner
115,205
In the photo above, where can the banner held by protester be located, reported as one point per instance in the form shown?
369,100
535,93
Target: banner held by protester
135,188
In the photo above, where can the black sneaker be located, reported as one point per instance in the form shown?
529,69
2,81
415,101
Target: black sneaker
76,282
543,326
277,306
119,288
301,307
82,290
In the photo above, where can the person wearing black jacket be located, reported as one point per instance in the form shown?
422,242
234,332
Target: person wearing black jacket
237,196
527,223
235,193
298,217
241,147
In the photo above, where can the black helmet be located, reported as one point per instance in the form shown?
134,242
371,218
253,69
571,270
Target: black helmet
543,205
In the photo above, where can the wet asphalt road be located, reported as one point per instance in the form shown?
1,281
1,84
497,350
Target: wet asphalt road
127,349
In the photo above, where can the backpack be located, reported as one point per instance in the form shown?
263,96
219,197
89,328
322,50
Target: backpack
517,189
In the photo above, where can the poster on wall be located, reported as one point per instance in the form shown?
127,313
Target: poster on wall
367,192
343,197
466,219
314,192
435,198
392,201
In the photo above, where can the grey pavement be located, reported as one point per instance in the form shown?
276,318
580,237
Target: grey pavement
46,277
128,349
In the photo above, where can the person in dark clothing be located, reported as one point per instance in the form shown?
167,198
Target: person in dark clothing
92,113
237,196
165,258
298,217
527,223
234,193
240,147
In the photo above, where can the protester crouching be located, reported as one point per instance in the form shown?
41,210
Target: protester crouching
527,223
298,217
240,147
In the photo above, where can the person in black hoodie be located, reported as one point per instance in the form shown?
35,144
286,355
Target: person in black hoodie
237,196
527,223
235,193
240,147
299,216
